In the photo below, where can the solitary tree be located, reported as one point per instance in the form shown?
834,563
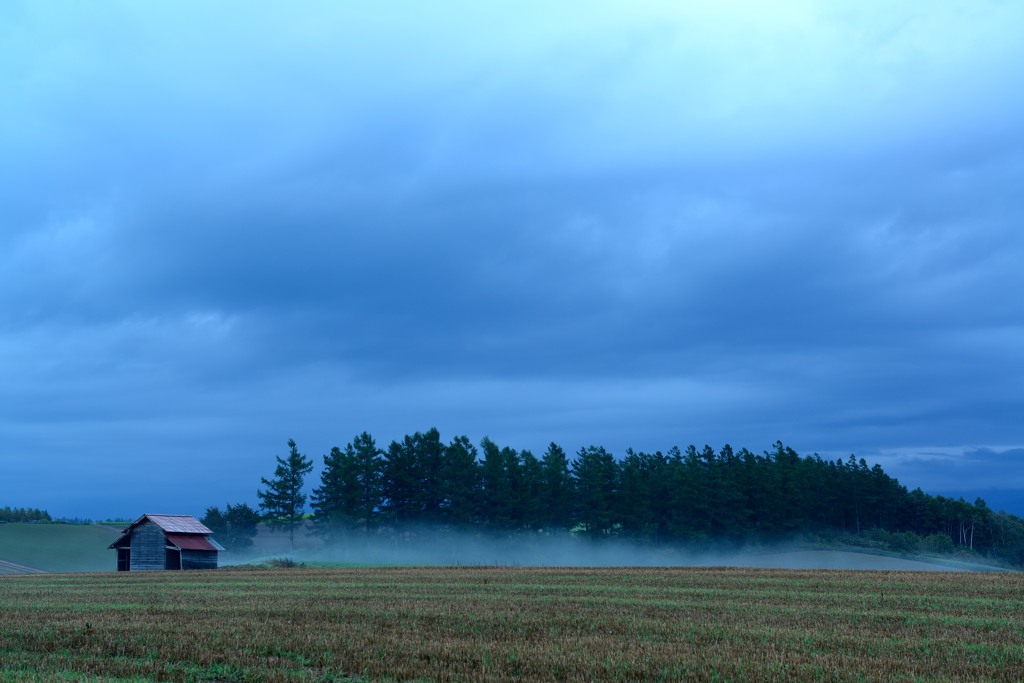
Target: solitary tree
283,501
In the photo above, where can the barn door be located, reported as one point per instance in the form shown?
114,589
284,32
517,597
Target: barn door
124,559
173,559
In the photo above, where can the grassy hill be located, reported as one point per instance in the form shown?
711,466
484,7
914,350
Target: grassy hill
59,547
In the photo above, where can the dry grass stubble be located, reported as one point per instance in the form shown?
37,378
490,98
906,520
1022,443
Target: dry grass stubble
498,624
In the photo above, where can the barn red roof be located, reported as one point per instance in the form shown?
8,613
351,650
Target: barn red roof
190,542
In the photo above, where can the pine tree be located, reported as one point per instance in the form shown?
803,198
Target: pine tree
532,490
596,475
557,497
349,494
461,477
401,482
283,501
367,464
430,465
496,493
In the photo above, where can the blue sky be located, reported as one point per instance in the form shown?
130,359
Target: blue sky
637,224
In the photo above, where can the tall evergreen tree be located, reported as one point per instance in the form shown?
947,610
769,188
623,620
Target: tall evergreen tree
283,501
330,500
557,498
636,487
350,487
461,480
515,503
429,453
531,491
496,492
595,473
401,482
731,520
689,519
368,464
661,495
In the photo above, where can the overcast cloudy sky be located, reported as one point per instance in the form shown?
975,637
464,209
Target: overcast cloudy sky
224,225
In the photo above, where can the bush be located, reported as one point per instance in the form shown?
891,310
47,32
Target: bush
904,542
938,543
284,563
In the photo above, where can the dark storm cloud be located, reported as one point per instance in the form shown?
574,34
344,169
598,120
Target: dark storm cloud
228,225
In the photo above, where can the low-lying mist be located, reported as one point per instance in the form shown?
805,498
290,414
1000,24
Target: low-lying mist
447,547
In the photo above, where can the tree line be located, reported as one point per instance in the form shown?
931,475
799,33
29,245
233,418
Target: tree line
9,514
690,495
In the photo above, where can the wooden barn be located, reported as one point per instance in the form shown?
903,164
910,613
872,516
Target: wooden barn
154,542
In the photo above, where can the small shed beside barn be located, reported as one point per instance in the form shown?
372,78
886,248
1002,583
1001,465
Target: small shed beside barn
154,542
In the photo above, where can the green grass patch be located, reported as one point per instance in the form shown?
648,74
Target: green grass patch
58,547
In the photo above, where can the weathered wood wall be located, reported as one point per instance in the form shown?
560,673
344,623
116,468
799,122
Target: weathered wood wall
148,546
198,559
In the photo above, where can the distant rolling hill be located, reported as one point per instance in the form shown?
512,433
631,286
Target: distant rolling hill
57,547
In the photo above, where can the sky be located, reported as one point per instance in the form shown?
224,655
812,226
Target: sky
643,224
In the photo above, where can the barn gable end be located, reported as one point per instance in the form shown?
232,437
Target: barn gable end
147,547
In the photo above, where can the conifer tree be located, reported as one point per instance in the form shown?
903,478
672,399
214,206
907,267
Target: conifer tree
349,494
283,501
595,474
461,477
557,501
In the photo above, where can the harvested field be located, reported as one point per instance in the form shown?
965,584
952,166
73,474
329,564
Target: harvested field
502,624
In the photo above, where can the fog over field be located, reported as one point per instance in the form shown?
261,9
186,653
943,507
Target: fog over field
430,547
83,548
